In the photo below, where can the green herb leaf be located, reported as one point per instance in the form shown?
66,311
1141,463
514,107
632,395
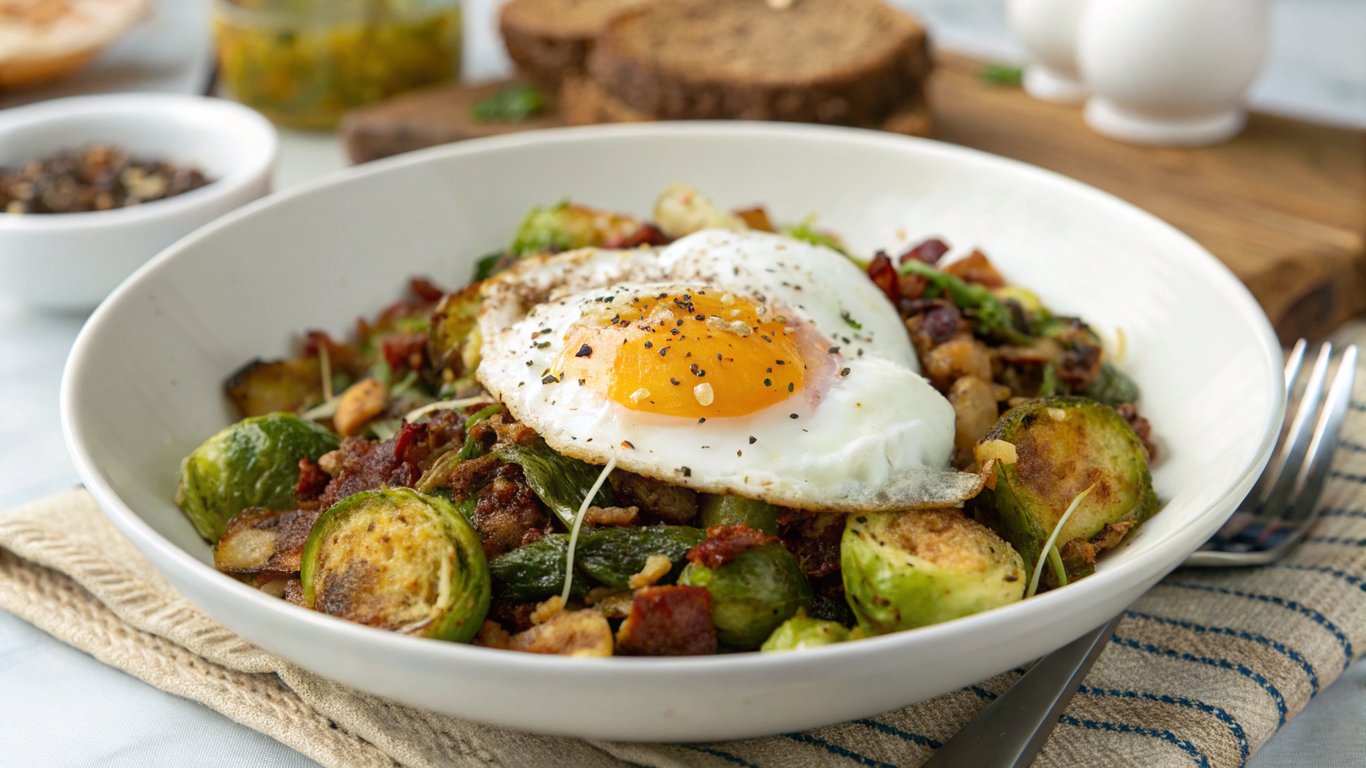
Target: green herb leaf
806,231
487,266
513,104
998,74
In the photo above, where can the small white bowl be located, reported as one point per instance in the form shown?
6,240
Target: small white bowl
71,261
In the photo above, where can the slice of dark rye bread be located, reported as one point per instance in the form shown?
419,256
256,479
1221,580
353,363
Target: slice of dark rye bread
548,39
583,102
849,62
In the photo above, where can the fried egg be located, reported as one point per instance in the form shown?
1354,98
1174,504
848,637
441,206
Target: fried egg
727,362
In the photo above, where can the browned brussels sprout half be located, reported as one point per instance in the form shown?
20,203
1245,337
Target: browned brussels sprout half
453,334
253,463
801,632
1063,446
752,594
725,509
397,559
910,569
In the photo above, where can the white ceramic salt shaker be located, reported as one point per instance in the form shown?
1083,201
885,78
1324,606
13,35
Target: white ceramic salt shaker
1171,72
1048,31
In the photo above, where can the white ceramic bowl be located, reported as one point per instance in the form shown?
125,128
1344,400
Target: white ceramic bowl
143,387
72,261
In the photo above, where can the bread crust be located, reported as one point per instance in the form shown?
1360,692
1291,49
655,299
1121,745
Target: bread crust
847,62
584,102
549,39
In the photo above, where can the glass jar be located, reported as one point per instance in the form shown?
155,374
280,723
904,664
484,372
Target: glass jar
304,63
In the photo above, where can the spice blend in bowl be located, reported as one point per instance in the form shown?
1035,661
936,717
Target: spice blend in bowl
98,177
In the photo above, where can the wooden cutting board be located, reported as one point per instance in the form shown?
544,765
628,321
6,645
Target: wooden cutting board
1283,204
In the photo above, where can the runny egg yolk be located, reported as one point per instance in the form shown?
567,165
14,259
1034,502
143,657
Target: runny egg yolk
698,354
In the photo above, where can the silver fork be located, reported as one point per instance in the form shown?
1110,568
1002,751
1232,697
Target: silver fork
1275,515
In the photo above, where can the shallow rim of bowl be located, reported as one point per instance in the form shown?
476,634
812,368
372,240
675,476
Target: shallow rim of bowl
249,126
1186,537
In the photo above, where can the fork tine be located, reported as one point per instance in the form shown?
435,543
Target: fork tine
1293,363
1298,438
1319,460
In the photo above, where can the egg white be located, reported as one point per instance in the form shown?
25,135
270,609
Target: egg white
866,432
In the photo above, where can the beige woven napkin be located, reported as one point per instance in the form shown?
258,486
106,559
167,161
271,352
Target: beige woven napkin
1202,671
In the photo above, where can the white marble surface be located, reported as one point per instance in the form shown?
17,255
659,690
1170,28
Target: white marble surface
59,707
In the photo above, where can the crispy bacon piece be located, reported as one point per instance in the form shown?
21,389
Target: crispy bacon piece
814,539
647,234
399,461
312,481
425,290
263,541
405,350
668,621
976,268
929,251
726,542
507,513
1142,427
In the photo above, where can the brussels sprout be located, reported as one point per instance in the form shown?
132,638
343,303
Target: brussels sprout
752,594
397,559
559,481
910,569
264,541
612,556
801,632
1112,386
262,387
453,334
567,226
727,509
535,571
253,463
1063,446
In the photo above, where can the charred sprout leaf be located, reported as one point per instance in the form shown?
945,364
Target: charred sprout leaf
253,463
807,232
801,632
991,313
998,74
260,387
752,594
910,569
453,333
487,266
398,559
1064,445
535,571
612,556
725,509
559,481
1112,386
512,104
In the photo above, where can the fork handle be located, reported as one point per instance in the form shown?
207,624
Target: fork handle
1010,732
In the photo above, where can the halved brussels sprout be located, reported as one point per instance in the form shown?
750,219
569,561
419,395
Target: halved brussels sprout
612,556
752,594
262,387
567,226
728,509
253,463
453,335
397,559
801,632
910,569
1063,446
